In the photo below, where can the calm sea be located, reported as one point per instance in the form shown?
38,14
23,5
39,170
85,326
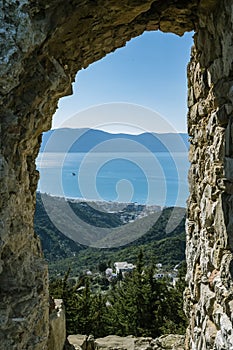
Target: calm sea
147,178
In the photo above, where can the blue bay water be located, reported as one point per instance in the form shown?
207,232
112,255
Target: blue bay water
146,178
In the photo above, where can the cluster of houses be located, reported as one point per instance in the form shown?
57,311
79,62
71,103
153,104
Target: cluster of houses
123,268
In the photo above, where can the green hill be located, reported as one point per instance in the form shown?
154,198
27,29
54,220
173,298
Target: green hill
55,245
163,241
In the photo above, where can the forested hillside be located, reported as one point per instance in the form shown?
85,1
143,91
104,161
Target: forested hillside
137,304
158,244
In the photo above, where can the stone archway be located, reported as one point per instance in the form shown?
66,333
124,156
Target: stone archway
43,45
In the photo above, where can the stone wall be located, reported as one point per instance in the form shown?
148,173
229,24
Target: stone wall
209,225
165,342
57,325
43,45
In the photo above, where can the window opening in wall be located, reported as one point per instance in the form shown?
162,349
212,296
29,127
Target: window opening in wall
114,181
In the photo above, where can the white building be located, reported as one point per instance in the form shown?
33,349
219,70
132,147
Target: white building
123,266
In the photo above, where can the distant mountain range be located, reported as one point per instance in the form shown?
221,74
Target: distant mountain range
85,140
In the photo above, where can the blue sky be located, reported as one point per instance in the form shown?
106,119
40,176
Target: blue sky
150,71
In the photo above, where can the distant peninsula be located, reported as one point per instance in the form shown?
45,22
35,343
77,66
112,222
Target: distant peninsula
86,140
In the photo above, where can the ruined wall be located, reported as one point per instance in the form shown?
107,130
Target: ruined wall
43,44
209,226
57,325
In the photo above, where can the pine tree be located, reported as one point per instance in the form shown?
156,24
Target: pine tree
139,304
99,315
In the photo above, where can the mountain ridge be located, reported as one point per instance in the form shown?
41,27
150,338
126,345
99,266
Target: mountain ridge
84,140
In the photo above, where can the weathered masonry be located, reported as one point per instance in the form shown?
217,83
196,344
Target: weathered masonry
43,45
